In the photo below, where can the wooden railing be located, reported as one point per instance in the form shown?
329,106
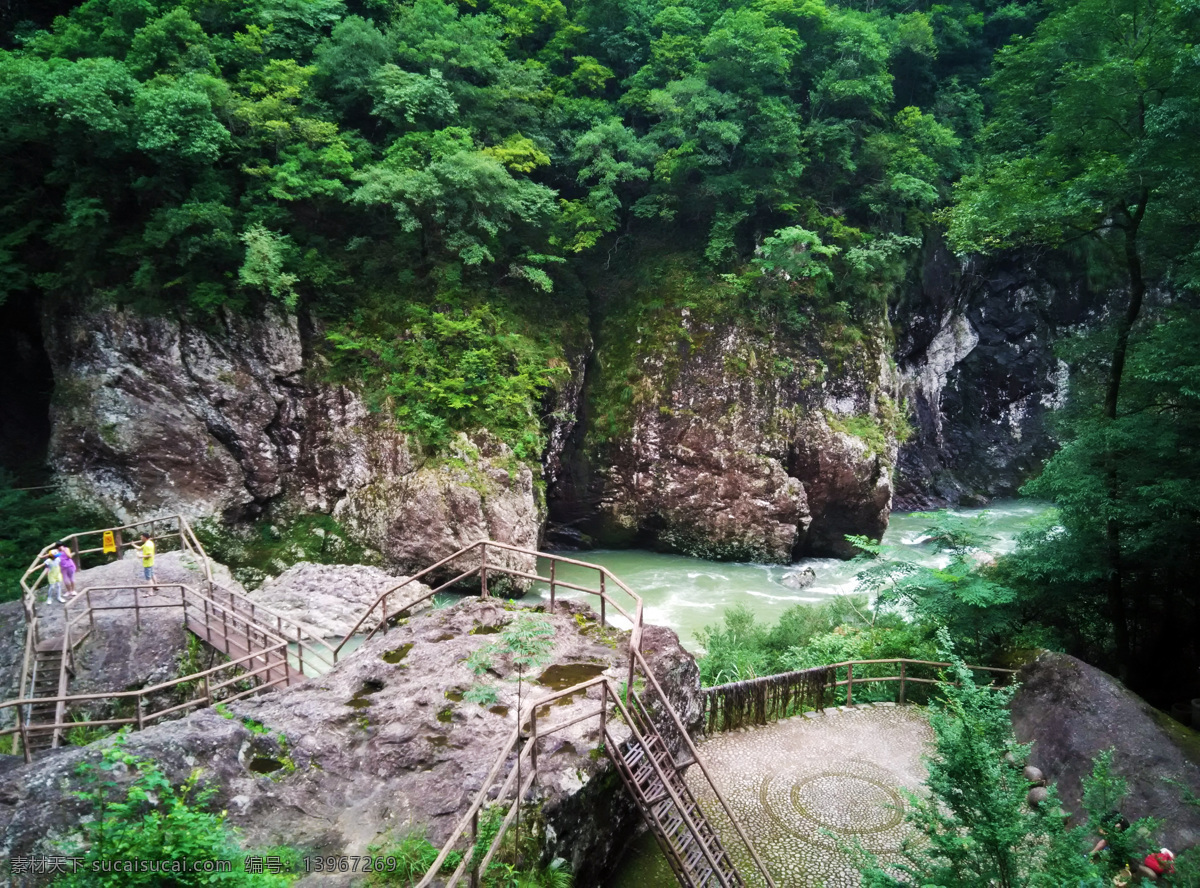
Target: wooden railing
242,669
755,696
162,530
611,594
617,707
267,653
609,590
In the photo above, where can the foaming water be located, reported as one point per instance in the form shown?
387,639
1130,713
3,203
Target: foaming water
686,594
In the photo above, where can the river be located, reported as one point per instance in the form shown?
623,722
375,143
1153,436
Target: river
688,594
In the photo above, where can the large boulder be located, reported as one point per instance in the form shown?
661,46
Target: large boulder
331,598
1071,711
710,433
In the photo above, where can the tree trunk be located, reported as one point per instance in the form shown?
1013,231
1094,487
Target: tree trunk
1137,293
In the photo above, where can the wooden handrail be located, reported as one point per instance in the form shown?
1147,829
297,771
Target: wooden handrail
153,689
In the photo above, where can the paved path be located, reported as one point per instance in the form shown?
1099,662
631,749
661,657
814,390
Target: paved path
806,787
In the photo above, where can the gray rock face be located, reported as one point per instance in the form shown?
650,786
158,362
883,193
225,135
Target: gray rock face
154,415
1071,711
330,597
733,451
975,351
382,743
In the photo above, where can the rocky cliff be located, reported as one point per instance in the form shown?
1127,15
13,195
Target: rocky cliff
975,349
154,415
737,442
707,432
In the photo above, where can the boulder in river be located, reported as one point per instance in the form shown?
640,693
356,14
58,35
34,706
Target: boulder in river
800,579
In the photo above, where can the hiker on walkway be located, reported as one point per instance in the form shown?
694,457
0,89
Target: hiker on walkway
146,547
67,563
54,578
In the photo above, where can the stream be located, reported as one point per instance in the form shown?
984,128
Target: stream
687,594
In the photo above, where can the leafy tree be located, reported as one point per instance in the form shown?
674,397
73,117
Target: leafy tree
150,819
974,827
1094,135
1060,570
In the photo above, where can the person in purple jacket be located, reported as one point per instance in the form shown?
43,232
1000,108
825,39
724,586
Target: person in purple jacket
67,563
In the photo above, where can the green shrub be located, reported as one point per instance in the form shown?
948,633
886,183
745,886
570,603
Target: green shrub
439,372
151,820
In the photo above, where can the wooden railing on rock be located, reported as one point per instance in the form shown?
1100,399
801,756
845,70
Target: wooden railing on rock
259,660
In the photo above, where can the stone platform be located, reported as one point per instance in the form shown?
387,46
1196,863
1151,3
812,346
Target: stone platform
805,788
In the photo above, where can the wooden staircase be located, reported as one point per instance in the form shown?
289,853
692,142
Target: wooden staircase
44,682
682,830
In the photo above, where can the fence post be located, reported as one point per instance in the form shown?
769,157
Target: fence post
207,691
602,601
75,549
24,734
849,684
474,849
629,686
483,572
553,563
902,664
91,613
603,709
139,711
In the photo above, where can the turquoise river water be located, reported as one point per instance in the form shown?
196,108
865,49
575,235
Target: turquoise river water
688,594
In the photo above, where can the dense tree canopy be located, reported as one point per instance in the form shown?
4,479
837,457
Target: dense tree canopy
208,153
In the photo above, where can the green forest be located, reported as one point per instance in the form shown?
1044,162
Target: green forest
434,185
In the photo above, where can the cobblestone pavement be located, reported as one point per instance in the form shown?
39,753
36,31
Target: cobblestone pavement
805,788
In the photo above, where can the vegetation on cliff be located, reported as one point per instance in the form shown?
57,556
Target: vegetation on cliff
438,185
422,175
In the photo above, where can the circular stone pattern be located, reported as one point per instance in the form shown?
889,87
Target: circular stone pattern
857,801
848,803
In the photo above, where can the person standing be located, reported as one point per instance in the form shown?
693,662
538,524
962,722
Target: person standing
67,563
54,578
146,547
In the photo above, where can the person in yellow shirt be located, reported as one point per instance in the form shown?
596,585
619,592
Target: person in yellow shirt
54,578
146,547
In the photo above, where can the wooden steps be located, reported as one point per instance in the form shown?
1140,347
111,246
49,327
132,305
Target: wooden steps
232,641
688,840
47,670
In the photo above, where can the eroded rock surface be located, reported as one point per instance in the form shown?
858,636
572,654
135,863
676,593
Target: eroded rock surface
737,448
154,415
331,598
975,348
382,743
1071,711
